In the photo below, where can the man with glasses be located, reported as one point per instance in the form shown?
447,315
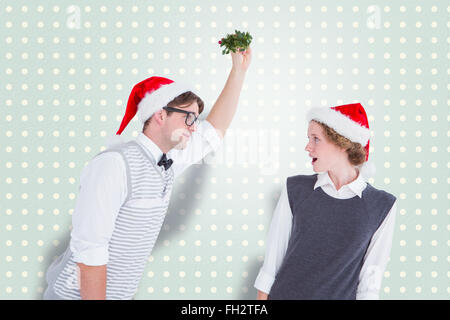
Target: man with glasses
125,190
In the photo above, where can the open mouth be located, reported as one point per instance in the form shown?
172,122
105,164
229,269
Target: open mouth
314,160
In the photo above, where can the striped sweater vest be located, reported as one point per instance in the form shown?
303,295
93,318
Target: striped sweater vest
136,229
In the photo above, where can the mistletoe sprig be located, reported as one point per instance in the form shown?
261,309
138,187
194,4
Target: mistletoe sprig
234,41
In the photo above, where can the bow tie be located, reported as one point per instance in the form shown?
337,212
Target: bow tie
165,162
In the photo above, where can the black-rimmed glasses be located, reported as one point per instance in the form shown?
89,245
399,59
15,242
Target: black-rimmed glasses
191,118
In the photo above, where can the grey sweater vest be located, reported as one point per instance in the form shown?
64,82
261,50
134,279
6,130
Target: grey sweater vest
328,241
136,229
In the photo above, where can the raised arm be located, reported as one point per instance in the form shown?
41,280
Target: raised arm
225,107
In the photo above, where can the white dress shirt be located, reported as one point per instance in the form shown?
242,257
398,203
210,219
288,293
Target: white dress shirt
375,259
103,189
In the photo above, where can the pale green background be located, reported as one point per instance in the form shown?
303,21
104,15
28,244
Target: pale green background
66,75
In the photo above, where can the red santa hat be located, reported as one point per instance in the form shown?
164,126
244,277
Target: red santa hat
149,96
350,121
146,98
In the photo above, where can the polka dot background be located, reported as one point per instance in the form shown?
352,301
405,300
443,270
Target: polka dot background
67,69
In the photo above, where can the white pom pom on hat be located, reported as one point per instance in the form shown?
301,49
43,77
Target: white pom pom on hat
367,170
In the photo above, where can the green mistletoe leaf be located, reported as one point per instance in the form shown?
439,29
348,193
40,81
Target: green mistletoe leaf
238,40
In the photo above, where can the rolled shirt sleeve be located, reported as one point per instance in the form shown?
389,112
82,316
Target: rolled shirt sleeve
276,243
101,194
203,141
376,259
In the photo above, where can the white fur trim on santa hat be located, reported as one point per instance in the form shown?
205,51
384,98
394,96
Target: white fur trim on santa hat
340,123
158,99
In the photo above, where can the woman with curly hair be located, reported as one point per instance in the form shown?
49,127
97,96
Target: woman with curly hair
331,232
